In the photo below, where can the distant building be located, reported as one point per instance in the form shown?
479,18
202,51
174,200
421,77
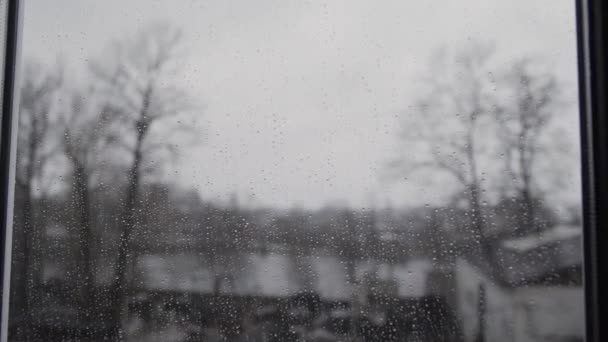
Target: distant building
531,292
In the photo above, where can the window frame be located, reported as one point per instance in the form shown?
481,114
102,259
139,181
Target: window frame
8,147
591,41
591,46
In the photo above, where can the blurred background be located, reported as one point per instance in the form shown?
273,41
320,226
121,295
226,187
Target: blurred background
298,171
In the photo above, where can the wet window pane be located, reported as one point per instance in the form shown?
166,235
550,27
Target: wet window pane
297,171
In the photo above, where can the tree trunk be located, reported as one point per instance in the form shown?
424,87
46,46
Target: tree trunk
128,219
478,225
481,314
86,276
23,302
30,243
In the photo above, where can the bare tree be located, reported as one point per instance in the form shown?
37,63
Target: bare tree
84,139
531,102
448,127
137,83
35,148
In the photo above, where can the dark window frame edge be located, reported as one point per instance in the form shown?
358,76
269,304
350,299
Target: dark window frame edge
8,139
591,35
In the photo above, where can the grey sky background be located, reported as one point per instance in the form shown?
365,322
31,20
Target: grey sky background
302,100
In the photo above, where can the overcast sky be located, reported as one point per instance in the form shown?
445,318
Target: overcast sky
302,99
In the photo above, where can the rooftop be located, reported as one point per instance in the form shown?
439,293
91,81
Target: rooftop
551,258
531,242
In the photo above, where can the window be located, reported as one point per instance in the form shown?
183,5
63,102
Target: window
298,171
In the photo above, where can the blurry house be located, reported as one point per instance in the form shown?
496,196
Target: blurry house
531,292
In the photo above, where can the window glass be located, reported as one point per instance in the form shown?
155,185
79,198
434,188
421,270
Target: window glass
297,171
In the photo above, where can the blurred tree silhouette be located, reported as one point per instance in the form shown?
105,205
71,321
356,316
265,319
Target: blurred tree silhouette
84,140
37,123
136,79
483,126
448,121
532,99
